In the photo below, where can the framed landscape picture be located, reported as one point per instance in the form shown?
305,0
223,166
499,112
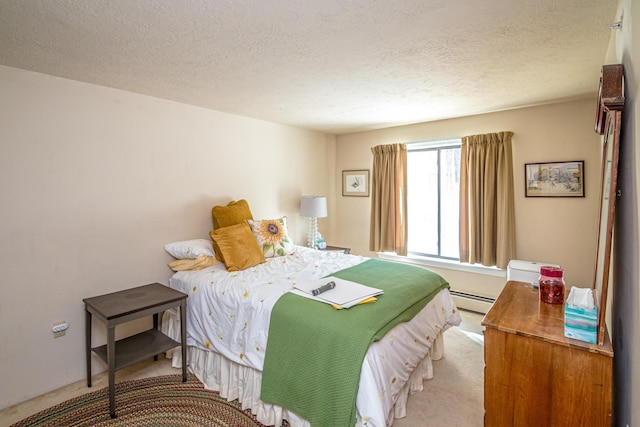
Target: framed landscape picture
554,179
355,183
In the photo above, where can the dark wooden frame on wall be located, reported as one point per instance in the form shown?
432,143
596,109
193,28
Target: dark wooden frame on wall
610,94
608,121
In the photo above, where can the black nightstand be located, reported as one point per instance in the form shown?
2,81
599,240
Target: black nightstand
337,249
124,306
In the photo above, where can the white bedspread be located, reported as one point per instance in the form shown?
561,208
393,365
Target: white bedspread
228,313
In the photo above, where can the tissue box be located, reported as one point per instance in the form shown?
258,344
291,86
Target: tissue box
581,323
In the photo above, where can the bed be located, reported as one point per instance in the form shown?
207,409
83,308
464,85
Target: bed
228,320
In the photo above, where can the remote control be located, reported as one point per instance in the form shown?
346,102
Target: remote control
323,288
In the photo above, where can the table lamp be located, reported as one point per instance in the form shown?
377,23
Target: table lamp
313,207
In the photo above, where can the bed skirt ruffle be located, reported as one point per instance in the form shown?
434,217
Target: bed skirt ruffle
242,383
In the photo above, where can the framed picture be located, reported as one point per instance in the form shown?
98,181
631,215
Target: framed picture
554,179
355,183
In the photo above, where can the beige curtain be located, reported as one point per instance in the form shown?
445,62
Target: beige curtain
487,219
389,199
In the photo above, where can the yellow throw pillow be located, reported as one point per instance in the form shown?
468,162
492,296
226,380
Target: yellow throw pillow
237,246
234,213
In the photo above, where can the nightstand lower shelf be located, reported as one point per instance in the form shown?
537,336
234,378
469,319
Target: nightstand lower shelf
137,347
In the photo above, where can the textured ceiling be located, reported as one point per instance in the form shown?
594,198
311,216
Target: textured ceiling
331,65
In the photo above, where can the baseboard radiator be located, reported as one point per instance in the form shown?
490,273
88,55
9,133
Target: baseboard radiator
472,302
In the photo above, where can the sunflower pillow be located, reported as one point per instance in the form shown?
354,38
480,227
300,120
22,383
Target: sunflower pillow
272,236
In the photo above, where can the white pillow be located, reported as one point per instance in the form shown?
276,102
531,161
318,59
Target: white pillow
190,249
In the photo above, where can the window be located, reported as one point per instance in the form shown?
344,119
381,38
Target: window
433,174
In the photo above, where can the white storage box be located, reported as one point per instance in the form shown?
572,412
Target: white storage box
525,271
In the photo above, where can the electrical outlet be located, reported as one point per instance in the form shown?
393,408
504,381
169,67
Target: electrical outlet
59,329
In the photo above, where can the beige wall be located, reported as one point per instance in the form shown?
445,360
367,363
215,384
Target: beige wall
94,181
558,230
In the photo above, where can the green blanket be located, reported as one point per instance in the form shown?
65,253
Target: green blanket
315,353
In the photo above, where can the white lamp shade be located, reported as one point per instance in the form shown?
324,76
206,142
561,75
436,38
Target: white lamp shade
313,206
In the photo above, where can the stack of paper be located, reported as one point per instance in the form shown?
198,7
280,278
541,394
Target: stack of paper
345,294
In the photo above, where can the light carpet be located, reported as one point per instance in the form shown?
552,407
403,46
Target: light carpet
454,397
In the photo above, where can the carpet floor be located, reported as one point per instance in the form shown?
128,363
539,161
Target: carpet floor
454,397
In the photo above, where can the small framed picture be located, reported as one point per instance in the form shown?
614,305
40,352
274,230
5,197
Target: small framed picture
554,179
355,183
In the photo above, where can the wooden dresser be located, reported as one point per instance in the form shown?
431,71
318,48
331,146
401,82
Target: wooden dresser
533,375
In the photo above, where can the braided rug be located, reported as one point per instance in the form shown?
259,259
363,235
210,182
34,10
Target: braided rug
156,401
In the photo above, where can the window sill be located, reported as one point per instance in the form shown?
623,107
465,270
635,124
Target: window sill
440,263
